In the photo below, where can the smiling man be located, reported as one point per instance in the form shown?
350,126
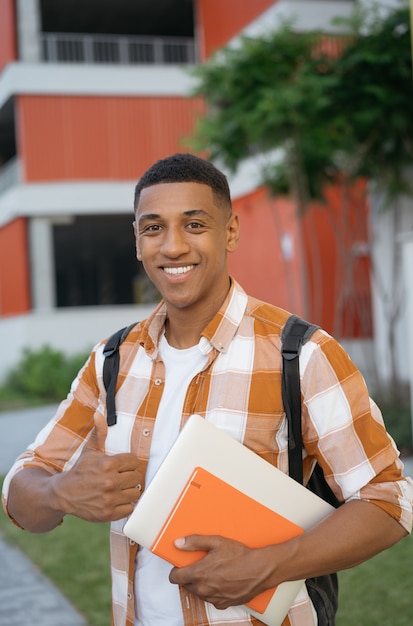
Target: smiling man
210,349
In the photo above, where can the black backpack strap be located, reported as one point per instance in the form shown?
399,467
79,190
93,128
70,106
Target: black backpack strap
323,590
295,333
111,370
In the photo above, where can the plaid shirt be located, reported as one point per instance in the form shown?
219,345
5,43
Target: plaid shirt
238,390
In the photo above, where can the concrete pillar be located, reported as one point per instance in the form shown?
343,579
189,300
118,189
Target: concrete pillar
407,252
382,238
28,30
42,264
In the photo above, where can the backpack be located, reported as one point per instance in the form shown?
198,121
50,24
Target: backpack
323,590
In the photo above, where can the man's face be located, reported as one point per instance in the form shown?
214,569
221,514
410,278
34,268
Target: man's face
182,239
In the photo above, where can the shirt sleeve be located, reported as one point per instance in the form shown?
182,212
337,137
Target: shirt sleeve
343,430
59,444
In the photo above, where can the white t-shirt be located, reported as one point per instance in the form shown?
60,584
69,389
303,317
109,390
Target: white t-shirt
157,601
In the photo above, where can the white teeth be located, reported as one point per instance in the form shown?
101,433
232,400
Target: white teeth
178,270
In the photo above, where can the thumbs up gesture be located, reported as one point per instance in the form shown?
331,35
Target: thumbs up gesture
100,487
97,439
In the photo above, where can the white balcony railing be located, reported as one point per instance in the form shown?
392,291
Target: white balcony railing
81,48
9,174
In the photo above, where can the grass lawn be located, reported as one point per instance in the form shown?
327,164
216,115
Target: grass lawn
379,592
75,557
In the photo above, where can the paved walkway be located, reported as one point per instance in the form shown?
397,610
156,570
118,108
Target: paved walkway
27,598
18,429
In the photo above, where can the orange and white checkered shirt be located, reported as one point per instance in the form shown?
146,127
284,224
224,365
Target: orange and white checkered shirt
239,390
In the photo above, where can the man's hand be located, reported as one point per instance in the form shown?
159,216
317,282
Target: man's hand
229,574
99,487
232,574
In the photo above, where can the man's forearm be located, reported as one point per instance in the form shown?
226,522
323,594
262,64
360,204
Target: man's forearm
352,534
32,502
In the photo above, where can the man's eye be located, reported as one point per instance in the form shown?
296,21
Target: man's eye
195,225
151,228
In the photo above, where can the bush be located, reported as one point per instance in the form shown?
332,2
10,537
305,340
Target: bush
44,374
398,422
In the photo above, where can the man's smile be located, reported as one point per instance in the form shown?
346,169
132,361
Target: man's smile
178,270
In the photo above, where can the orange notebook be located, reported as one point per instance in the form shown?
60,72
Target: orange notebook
210,506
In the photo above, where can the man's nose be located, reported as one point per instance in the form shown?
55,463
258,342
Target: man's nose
174,242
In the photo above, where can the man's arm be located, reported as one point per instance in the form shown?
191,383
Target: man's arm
231,574
361,461
98,488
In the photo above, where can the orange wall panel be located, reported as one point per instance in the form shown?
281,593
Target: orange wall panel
220,20
7,33
267,262
327,250
105,138
14,268
339,264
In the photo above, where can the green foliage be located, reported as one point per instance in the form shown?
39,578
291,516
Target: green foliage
241,86
374,96
398,422
327,115
260,97
45,375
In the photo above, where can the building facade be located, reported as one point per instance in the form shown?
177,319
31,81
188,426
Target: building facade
91,94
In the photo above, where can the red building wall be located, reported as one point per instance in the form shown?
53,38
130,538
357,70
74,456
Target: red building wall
14,268
339,264
100,138
324,254
7,33
267,262
218,21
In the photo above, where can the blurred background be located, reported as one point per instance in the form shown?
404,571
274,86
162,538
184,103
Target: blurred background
92,92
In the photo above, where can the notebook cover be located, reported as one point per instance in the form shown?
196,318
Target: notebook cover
211,506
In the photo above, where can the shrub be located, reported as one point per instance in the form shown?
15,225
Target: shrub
398,422
45,374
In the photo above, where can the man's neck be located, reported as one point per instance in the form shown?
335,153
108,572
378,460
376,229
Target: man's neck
183,331
183,327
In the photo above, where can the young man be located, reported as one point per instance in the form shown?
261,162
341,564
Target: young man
210,349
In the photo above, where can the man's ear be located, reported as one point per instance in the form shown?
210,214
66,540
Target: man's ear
232,233
138,251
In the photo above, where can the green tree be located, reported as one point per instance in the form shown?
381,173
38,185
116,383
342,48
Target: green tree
262,96
327,114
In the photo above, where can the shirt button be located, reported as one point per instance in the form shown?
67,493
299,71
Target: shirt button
131,542
158,381
129,596
146,432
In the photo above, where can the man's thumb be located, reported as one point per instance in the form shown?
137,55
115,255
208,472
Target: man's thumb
99,433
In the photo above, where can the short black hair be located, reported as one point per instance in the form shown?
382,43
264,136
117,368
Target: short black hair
186,168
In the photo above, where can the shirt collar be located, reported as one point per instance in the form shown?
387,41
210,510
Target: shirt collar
218,334
222,328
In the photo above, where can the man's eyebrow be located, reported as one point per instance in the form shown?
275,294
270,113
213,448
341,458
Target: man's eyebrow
148,216
197,213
